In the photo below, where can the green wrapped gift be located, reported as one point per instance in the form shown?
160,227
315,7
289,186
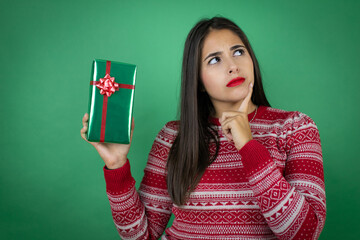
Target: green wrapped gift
111,101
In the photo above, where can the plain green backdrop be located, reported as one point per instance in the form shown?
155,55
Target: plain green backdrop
51,181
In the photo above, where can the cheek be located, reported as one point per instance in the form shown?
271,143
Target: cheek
251,67
206,79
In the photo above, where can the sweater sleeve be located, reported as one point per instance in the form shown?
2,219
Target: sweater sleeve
293,201
143,214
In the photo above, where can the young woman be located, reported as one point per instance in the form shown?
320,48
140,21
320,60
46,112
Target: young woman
232,167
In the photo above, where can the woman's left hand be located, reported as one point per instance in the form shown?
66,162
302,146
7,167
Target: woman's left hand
235,125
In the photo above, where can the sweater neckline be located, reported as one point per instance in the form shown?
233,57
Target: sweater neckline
250,116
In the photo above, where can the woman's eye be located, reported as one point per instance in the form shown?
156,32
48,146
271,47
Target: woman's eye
239,52
214,60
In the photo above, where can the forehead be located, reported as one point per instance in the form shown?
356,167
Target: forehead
220,40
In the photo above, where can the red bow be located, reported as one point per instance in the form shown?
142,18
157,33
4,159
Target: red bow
107,85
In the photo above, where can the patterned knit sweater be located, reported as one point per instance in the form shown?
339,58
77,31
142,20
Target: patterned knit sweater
273,188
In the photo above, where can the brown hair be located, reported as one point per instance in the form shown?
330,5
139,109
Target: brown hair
189,155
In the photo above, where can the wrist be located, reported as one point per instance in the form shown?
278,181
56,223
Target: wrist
241,145
117,164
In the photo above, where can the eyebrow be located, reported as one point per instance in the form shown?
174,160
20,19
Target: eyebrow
218,53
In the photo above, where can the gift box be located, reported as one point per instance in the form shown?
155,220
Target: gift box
111,101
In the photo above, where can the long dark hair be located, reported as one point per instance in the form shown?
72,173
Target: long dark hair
189,155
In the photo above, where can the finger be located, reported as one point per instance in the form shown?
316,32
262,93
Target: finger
227,132
226,128
227,121
85,119
132,123
228,136
226,115
245,104
83,133
83,136
132,128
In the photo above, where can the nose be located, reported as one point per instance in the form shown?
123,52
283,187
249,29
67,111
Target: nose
233,68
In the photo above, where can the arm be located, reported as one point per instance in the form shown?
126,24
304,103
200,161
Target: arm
142,215
293,204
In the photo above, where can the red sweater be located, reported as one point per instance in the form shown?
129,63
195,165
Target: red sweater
273,188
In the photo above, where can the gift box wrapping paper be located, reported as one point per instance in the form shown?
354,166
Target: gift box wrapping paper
111,101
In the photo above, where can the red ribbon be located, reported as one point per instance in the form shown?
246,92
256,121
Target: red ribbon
107,86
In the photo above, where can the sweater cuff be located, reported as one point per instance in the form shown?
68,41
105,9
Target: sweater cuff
254,157
119,180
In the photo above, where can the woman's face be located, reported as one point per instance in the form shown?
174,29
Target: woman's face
226,67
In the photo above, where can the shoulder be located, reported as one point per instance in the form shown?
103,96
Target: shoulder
283,117
172,125
285,123
161,146
168,132
292,126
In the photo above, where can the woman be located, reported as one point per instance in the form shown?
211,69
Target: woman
232,167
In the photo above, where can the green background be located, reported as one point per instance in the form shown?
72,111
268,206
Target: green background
51,181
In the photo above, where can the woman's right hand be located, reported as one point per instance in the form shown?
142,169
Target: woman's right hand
113,154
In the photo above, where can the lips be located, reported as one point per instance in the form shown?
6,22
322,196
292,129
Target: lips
236,82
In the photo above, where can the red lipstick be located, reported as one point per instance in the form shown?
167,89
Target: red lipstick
235,82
